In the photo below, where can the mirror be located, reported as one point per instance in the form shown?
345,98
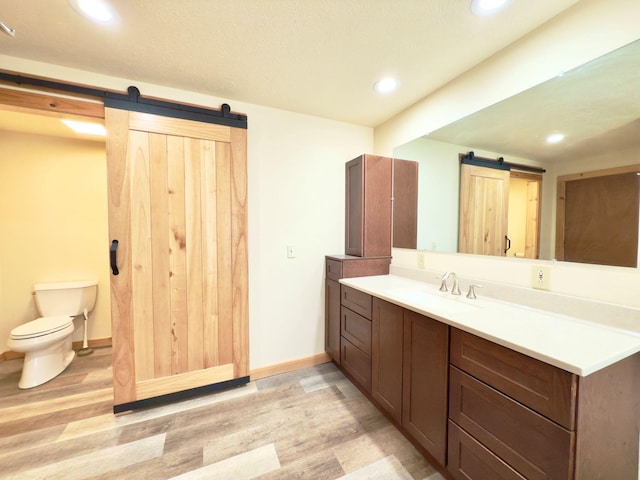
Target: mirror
597,108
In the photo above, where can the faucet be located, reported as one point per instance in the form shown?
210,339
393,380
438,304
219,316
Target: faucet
455,289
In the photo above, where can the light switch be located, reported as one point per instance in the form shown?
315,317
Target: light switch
291,251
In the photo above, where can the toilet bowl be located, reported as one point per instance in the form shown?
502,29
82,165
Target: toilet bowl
46,341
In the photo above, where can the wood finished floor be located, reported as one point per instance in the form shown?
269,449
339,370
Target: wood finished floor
308,424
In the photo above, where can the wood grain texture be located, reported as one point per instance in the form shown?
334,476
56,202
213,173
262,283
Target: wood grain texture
499,423
532,231
601,220
147,122
119,184
608,422
425,382
405,204
239,251
470,460
47,104
313,421
178,309
368,206
544,388
484,203
386,357
332,320
183,381
188,267
141,256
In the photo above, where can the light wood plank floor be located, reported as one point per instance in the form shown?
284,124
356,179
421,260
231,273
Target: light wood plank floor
308,424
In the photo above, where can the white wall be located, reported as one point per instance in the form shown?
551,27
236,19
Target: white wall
296,196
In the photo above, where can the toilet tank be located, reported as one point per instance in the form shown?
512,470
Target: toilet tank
65,298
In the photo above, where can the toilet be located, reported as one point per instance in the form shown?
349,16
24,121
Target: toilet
46,341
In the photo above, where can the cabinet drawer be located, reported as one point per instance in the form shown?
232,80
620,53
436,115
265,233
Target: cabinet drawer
544,388
532,445
333,269
469,460
356,363
356,329
357,301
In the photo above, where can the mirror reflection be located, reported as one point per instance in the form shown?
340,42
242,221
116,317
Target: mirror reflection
596,108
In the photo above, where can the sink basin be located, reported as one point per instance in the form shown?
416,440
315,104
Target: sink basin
435,303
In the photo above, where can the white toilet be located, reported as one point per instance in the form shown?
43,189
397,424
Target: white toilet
46,341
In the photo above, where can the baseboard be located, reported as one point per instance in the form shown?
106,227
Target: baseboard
289,366
97,343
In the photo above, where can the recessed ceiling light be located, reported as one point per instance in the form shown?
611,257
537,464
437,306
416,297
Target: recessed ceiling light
96,10
86,127
484,8
555,138
386,85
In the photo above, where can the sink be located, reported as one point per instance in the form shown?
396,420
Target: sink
435,303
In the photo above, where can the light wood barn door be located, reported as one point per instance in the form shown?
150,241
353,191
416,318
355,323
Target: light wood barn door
484,203
177,206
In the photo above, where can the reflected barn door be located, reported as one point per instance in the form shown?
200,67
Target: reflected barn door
177,206
484,204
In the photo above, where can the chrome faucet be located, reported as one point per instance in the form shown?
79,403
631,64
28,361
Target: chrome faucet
455,289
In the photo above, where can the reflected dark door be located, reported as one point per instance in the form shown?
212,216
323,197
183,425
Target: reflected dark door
601,220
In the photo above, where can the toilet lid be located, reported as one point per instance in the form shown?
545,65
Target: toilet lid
41,326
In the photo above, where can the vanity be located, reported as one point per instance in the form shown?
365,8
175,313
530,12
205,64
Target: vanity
494,390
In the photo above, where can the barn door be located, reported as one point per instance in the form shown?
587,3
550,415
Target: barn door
177,226
484,204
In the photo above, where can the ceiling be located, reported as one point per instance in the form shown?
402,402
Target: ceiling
596,106
316,57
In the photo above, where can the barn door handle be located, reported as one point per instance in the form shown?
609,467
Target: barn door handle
508,244
113,257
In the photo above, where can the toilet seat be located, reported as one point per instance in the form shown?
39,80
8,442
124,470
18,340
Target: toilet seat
41,326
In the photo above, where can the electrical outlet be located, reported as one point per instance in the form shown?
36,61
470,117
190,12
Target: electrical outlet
540,277
420,259
291,251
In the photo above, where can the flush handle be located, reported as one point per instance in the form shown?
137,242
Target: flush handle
113,257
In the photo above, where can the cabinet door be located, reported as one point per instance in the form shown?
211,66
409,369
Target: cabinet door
332,320
368,206
354,208
405,204
425,370
177,206
386,357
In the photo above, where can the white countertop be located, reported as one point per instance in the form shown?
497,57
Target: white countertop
572,344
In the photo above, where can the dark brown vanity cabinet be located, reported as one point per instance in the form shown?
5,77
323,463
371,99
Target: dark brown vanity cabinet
514,417
337,267
410,358
387,337
355,340
425,382
368,206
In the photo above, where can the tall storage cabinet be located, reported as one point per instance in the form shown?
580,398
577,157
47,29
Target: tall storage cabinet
368,191
368,206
